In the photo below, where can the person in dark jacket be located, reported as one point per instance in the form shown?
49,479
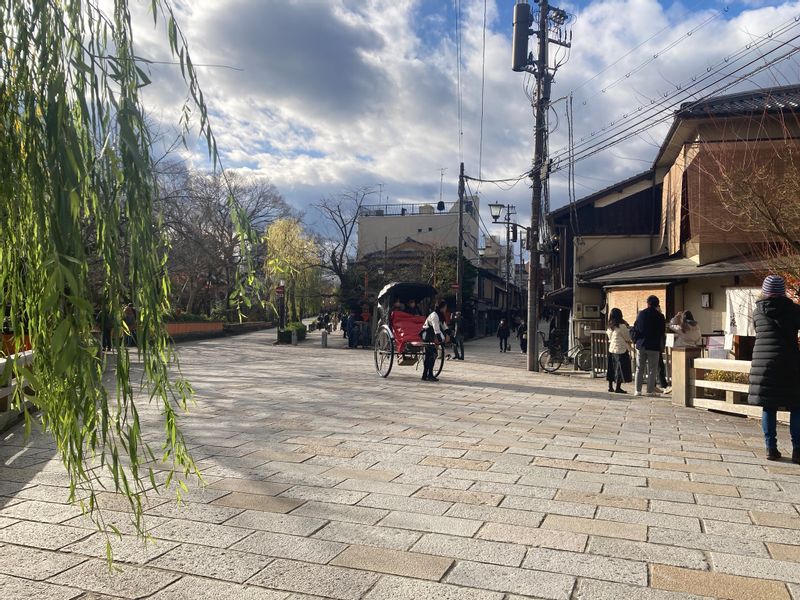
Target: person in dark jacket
776,364
432,333
648,332
503,331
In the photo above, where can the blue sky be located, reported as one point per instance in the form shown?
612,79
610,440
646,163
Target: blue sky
333,95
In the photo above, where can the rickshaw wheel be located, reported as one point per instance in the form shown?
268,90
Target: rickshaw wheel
384,352
439,364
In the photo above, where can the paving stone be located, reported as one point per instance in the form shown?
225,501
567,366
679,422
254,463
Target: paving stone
507,489
400,588
318,580
363,474
191,511
378,487
565,484
651,553
706,468
601,500
431,523
292,547
531,536
276,522
653,519
194,532
572,509
43,512
260,502
456,463
769,519
401,503
341,512
497,553
699,511
496,515
784,552
211,562
746,504
195,588
385,537
509,579
763,568
23,589
591,589
586,565
32,563
650,493
463,496
706,541
694,487
716,585
250,486
47,536
749,532
393,562
127,548
626,531
570,465
321,494
130,582
481,475
116,522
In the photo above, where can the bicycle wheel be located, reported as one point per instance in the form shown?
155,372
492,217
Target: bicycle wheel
439,364
550,361
584,360
384,352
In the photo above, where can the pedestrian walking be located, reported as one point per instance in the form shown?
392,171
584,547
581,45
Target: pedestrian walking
648,334
129,318
503,332
432,334
456,324
619,359
776,364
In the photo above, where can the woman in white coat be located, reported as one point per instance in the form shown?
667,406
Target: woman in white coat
619,360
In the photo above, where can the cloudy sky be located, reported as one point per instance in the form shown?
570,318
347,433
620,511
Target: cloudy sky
324,96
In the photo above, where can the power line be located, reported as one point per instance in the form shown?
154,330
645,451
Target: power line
685,91
483,87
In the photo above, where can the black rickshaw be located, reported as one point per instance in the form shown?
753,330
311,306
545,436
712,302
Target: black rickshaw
399,327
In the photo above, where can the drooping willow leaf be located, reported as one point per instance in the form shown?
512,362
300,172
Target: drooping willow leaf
79,234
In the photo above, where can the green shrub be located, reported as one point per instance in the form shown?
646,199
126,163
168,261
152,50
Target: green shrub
727,377
285,334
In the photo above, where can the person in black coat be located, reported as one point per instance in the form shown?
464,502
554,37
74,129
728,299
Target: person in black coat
503,331
775,366
648,333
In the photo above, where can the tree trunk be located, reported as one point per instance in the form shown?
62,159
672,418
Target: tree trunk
292,300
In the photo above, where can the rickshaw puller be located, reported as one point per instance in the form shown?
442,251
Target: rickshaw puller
432,332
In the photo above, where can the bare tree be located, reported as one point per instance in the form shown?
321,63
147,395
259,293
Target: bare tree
206,246
340,214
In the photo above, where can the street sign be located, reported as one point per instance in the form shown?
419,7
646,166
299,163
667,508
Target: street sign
280,291
454,286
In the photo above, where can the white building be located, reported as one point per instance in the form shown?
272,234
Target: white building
383,226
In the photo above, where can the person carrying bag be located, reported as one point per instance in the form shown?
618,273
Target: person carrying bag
432,335
619,359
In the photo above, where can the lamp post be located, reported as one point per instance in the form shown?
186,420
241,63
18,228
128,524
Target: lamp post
282,296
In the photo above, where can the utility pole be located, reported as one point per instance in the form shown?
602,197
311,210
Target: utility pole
521,61
460,254
508,265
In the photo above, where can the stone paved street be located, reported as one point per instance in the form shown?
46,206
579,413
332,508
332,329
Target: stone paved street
325,481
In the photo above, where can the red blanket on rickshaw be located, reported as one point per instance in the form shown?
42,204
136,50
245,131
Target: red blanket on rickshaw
406,328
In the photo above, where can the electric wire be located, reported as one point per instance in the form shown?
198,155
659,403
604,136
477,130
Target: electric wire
657,106
483,89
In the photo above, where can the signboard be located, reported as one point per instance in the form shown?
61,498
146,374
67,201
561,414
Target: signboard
454,286
279,291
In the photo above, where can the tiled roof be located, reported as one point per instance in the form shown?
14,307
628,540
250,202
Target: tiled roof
776,99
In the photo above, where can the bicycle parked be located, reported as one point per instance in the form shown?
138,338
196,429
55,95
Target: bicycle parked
552,357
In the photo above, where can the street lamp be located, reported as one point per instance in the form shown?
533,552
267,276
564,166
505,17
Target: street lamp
496,210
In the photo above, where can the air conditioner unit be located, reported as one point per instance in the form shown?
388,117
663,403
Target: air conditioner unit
578,310
591,311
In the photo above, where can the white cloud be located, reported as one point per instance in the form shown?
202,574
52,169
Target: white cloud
337,94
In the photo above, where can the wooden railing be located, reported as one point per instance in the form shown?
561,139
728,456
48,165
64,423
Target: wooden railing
694,388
